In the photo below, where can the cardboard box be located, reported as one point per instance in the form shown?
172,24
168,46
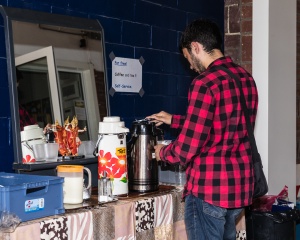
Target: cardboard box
31,196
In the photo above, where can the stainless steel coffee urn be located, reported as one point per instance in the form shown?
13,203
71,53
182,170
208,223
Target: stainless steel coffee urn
142,165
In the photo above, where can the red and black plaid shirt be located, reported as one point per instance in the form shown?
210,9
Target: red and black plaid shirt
213,143
25,118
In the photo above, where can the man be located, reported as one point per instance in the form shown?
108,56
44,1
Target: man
213,144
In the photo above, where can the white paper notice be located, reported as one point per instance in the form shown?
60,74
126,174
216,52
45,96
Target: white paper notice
126,75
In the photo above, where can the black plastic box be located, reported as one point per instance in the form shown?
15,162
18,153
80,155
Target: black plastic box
271,225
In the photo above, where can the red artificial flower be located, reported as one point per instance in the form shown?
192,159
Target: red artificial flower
103,159
114,167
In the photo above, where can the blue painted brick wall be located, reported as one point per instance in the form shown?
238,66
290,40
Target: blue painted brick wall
133,29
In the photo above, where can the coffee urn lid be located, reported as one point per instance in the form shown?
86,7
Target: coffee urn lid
145,127
112,125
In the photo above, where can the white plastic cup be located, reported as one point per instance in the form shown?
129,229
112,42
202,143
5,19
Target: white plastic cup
51,151
39,152
86,148
45,151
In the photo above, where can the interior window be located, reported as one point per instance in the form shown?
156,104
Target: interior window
34,95
73,102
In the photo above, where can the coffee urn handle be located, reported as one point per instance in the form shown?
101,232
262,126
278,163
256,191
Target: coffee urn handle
95,153
130,145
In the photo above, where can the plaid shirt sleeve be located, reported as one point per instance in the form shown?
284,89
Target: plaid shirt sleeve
196,126
177,121
25,118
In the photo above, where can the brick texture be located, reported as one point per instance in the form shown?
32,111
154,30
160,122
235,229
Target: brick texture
234,20
233,47
238,31
246,26
246,11
247,48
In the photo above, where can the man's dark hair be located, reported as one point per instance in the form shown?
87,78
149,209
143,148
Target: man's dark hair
204,31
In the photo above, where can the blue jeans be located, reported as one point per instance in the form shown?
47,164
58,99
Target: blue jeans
204,221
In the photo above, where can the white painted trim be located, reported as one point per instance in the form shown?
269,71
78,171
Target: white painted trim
47,53
274,70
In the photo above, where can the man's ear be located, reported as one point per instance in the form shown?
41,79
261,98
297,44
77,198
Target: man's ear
194,46
197,47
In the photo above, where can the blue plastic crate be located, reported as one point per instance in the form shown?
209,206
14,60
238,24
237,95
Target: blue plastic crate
31,196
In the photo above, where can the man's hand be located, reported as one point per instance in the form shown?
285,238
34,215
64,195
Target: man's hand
160,118
157,150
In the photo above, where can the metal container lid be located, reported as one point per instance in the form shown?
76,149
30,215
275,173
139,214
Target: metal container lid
145,127
112,125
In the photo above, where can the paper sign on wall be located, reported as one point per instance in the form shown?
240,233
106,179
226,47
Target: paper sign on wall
126,75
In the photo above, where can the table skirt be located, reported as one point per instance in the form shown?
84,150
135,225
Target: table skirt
154,216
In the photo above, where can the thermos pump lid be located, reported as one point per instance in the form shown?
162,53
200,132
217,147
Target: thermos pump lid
31,132
145,127
112,125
